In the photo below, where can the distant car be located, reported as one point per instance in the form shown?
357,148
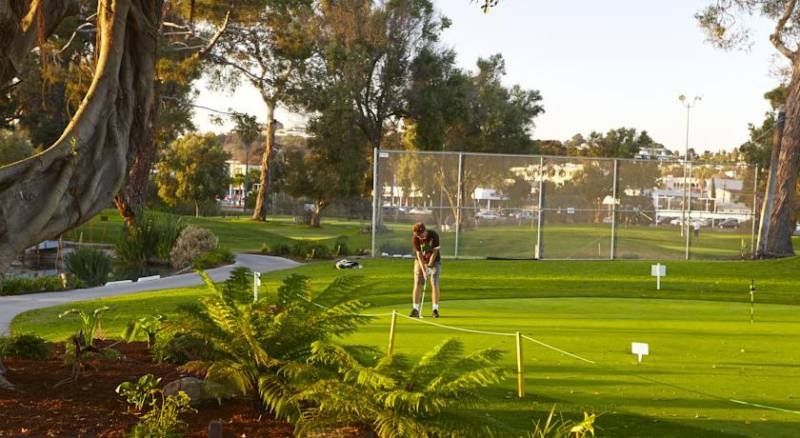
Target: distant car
797,229
525,214
608,220
676,221
728,223
664,220
487,214
420,210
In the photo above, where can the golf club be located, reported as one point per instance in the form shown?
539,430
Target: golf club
424,287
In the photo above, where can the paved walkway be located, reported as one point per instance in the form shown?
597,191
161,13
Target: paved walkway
14,305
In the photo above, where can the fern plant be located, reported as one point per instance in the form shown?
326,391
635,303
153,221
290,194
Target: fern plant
432,398
560,428
262,348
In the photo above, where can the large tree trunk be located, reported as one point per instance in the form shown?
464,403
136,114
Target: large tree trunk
260,210
131,198
22,26
779,240
68,183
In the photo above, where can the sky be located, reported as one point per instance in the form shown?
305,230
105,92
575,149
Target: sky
600,65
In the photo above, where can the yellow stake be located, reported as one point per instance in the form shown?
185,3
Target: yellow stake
391,332
520,375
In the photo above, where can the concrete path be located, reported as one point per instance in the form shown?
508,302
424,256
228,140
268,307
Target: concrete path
14,305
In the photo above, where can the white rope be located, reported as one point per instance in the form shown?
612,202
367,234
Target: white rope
459,329
772,408
566,353
548,346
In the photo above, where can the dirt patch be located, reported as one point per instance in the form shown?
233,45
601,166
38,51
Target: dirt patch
91,408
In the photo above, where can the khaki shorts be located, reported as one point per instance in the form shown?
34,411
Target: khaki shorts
419,277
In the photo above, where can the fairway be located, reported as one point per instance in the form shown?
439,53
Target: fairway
704,351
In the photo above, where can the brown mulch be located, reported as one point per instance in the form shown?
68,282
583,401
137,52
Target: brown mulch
91,408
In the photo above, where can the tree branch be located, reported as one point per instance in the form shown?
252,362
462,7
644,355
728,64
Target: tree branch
775,38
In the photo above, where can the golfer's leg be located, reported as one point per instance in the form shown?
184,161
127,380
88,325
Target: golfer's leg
418,281
435,286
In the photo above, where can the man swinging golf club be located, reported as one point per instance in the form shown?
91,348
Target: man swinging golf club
427,265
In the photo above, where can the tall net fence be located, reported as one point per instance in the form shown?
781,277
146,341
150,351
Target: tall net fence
525,206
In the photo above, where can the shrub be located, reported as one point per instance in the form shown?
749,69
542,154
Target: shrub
262,347
214,258
278,249
301,248
178,347
25,285
318,251
340,248
159,414
429,398
149,242
81,345
307,249
559,428
24,347
90,265
192,242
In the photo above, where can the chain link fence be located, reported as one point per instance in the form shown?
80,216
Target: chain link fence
543,207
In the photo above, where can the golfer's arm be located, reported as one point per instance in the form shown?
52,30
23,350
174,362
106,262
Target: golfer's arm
434,255
419,259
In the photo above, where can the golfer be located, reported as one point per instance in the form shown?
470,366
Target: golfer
427,265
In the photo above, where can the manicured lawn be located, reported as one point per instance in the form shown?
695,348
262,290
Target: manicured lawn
577,241
704,351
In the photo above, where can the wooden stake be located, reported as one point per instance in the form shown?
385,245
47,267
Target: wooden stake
520,374
391,332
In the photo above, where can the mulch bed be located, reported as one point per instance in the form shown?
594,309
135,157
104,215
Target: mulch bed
91,408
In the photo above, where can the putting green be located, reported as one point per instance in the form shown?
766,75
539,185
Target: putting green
703,356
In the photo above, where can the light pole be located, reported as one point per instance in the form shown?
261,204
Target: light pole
688,104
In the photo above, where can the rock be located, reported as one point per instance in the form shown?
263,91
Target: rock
199,391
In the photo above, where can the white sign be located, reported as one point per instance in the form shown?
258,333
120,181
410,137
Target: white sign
658,270
570,210
640,349
256,284
383,155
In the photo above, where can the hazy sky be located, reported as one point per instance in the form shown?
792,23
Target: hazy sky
601,65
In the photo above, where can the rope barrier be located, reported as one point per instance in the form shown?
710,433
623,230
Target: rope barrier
565,353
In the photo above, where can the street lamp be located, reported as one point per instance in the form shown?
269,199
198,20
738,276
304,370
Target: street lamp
688,104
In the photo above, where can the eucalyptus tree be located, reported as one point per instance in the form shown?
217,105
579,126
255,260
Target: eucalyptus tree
266,48
725,24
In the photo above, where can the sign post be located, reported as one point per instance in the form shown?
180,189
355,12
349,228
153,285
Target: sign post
256,285
658,270
640,349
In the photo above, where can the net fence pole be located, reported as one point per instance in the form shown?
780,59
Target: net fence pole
459,195
753,214
539,249
688,207
375,201
614,190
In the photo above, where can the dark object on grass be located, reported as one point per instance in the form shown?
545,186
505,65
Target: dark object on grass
347,264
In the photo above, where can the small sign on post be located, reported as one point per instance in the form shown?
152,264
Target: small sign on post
256,285
658,270
640,349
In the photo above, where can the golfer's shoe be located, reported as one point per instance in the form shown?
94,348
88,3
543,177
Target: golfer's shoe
435,313
414,313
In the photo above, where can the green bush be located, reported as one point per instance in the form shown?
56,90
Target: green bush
340,248
394,248
178,347
278,249
25,285
159,414
213,259
90,265
308,249
192,242
301,248
24,347
148,243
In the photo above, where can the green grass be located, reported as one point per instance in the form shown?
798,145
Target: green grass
580,241
704,351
